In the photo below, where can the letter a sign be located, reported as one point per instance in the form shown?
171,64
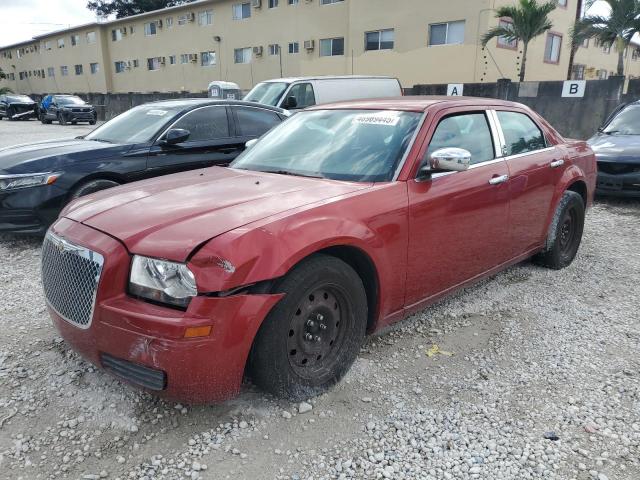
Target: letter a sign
573,88
455,89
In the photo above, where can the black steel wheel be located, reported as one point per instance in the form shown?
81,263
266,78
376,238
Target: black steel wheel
565,234
313,335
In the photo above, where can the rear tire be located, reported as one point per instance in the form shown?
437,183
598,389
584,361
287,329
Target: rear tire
565,233
92,186
10,113
313,335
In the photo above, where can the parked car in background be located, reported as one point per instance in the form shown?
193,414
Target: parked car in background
617,148
302,92
17,107
66,109
224,90
37,180
343,219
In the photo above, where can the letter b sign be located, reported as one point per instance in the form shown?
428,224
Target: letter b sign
573,88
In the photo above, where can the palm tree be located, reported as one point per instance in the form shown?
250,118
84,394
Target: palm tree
617,29
529,20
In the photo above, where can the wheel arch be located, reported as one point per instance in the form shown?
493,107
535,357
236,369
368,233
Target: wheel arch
580,187
112,176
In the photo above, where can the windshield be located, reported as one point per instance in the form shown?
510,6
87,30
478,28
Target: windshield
69,101
351,145
19,98
627,122
266,93
138,125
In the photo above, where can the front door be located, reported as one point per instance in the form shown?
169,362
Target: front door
458,221
209,143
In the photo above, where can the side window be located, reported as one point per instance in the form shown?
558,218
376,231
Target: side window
253,122
469,131
303,93
208,123
521,134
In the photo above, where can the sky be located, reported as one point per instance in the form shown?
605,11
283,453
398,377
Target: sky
21,20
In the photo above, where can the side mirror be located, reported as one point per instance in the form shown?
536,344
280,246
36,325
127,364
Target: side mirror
290,102
176,135
250,143
450,159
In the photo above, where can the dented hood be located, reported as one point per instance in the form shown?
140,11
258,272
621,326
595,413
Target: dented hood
168,217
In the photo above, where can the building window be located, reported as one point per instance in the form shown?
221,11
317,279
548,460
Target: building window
207,59
12,77
294,47
585,43
47,45
330,2
153,63
116,35
504,42
293,2
552,48
635,54
78,69
379,40
606,49
132,29
448,33
205,17
136,63
274,49
75,40
273,3
169,22
91,37
120,67
183,19
562,3
51,72
184,58
94,67
331,47
172,59
150,29
64,70
602,74
577,72
241,11
61,43
242,55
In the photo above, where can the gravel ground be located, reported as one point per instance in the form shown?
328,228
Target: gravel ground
537,376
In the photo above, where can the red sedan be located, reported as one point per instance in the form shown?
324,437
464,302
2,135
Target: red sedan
344,219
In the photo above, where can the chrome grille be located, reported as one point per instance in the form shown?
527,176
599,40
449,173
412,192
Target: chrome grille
70,277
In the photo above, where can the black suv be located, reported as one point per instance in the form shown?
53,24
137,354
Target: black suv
66,109
17,107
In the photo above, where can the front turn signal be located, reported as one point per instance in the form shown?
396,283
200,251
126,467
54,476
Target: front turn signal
192,332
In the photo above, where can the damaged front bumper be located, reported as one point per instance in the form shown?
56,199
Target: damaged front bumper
145,344
618,179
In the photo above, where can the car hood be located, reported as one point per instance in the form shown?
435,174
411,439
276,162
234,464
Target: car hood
168,217
616,148
17,102
53,155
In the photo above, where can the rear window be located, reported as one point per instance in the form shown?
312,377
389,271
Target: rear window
521,134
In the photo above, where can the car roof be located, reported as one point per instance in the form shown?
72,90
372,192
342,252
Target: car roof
326,77
190,103
412,103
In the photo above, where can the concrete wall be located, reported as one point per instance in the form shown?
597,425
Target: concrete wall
572,117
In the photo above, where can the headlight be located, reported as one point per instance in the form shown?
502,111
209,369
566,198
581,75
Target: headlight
162,281
15,182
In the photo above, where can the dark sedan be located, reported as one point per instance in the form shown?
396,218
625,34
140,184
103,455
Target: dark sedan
617,148
37,180
17,107
67,109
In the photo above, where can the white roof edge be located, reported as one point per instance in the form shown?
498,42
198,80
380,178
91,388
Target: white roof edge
327,77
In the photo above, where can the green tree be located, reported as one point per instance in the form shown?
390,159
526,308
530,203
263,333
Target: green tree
126,8
529,20
616,30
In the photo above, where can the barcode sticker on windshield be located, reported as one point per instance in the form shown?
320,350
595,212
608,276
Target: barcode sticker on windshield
158,113
381,118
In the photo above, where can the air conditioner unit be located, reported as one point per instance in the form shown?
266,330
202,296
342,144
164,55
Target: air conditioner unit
256,3
257,51
191,17
309,44
159,23
193,57
163,60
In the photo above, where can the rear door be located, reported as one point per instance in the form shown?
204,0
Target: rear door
458,221
252,122
535,168
210,142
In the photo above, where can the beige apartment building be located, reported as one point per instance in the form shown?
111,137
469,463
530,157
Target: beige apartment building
184,48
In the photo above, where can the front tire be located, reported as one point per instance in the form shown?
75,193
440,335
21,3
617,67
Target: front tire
92,186
313,335
565,234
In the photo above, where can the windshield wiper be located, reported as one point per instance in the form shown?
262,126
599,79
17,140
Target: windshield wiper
610,132
293,174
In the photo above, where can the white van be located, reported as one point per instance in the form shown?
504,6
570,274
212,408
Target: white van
303,92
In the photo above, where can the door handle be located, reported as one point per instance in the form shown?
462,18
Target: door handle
498,180
556,163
